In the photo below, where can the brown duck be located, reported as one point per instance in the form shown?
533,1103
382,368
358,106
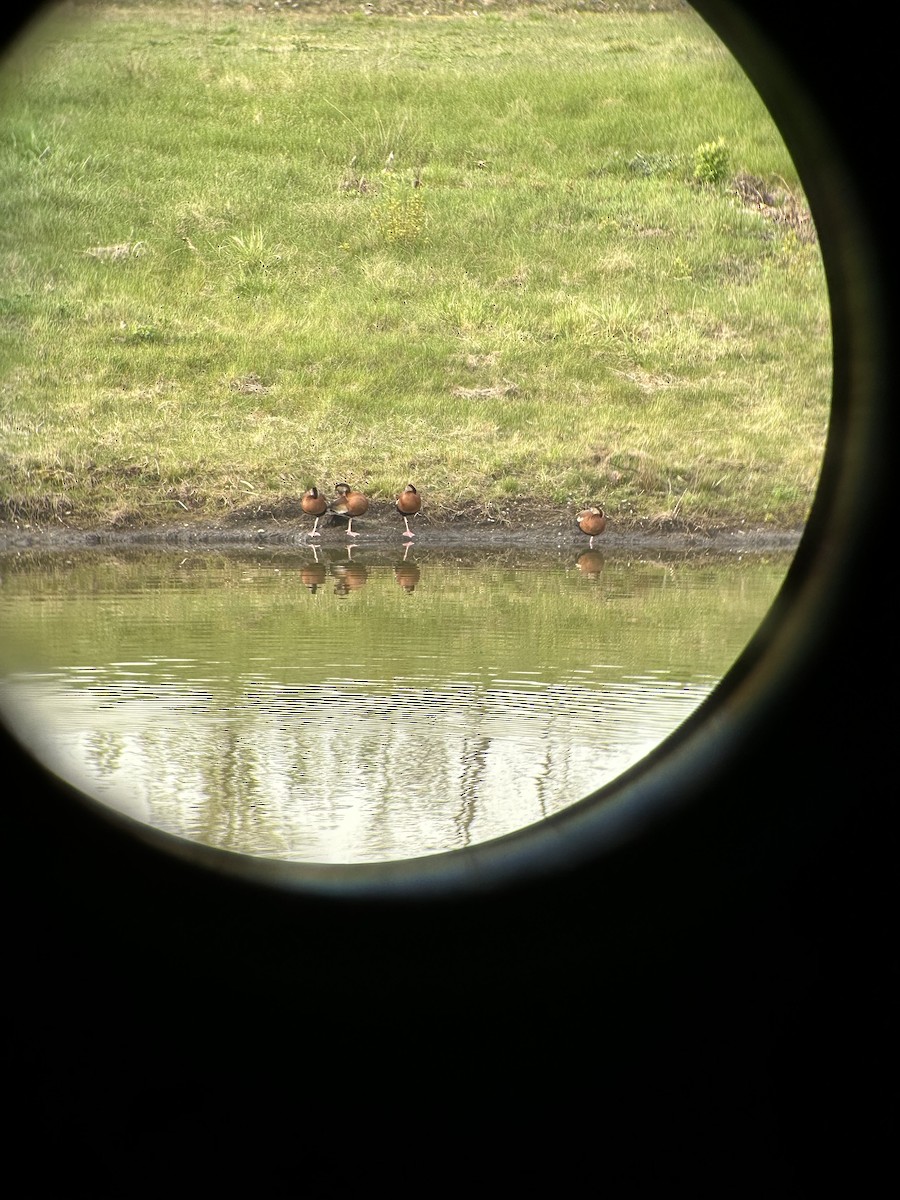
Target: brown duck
591,521
349,503
314,505
408,503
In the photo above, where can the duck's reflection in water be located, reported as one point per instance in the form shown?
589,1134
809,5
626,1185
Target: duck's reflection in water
349,576
315,573
590,563
407,572
350,573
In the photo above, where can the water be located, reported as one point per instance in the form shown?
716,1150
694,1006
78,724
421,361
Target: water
359,706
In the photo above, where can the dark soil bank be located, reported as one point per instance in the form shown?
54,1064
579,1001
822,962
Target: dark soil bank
387,529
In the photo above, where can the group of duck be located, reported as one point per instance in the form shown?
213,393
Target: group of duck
349,503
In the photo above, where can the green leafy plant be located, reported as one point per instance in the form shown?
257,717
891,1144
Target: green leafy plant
399,214
711,163
142,333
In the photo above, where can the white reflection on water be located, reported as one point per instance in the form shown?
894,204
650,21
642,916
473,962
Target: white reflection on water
345,771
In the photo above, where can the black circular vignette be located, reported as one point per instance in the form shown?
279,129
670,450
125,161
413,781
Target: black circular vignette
733,946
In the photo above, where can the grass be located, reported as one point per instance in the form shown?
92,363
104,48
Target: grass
526,260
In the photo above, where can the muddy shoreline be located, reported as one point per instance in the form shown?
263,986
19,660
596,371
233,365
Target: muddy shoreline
386,532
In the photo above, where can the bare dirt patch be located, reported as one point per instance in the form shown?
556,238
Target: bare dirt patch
286,525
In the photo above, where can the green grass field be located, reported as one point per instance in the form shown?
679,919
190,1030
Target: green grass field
524,258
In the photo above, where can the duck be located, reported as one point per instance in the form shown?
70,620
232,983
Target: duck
314,505
349,503
592,521
408,503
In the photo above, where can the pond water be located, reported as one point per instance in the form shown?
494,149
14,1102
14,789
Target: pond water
352,705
